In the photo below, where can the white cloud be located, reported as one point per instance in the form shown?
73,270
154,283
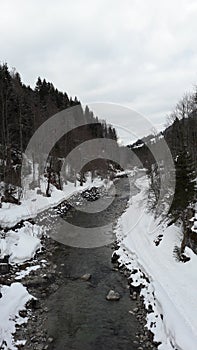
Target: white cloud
138,53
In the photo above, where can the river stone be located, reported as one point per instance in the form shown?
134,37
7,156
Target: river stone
23,313
135,309
134,296
86,277
114,257
131,312
50,339
4,268
113,296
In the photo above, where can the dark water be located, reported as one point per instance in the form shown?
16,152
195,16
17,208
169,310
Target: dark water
79,315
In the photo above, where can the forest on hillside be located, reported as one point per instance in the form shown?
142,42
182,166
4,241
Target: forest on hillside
22,111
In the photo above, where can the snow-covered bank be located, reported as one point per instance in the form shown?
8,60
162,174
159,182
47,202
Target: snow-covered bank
170,296
20,245
34,203
12,301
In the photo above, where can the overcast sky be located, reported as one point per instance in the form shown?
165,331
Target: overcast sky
137,53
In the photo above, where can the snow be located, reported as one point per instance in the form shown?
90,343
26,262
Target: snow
20,275
194,227
125,173
13,300
173,284
22,244
139,146
34,203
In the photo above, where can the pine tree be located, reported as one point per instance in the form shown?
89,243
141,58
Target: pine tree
38,84
185,183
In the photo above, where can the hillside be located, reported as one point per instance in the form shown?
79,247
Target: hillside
23,111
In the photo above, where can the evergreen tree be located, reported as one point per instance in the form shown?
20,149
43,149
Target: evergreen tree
38,84
185,183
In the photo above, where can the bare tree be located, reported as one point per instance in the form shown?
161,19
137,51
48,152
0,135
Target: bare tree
185,106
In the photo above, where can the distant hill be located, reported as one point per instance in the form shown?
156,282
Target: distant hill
181,133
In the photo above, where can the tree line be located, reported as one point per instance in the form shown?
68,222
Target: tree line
22,110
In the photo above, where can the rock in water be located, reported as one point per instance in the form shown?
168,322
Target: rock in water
4,268
113,296
114,257
134,296
86,277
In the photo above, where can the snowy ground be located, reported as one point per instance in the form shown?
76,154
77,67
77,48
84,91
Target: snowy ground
13,300
21,245
170,294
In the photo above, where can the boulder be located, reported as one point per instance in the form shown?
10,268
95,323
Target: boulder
113,296
86,277
4,268
114,258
